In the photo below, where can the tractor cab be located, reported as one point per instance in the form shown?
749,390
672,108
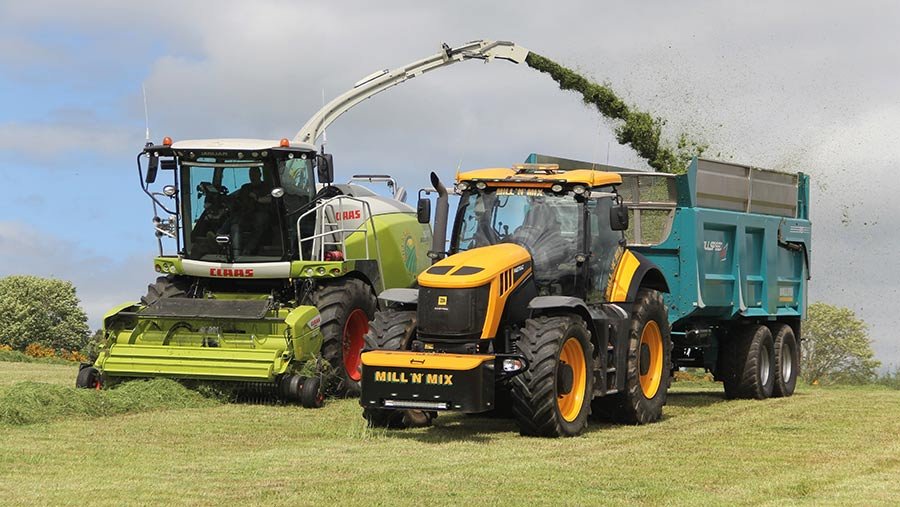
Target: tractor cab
561,218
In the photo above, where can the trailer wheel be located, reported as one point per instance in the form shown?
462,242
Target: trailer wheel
311,395
787,360
394,330
89,378
552,397
346,306
169,286
748,363
648,365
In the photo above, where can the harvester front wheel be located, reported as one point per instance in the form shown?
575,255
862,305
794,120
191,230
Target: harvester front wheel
551,398
89,378
346,305
169,286
748,360
647,368
787,360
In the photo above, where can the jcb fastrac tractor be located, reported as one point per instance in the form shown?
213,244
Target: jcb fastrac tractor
270,272
538,302
546,307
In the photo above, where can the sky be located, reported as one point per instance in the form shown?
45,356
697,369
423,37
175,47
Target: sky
806,86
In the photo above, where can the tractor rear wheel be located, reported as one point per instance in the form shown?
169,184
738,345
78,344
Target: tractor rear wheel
169,286
89,378
552,397
346,306
748,363
787,360
648,365
394,330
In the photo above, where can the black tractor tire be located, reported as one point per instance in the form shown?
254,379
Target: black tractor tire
311,394
394,329
748,363
346,305
642,403
540,391
787,360
169,286
89,378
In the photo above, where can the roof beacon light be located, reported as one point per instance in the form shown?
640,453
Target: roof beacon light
284,143
167,141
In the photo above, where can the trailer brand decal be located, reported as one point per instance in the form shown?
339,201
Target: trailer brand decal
350,215
717,246
231,273
401,377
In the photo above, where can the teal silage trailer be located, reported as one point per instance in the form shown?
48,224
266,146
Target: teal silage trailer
733,242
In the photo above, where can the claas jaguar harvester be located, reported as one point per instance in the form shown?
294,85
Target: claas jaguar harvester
272,279
568,293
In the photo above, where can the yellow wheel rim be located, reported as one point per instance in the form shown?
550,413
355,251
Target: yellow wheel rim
650,358
570,403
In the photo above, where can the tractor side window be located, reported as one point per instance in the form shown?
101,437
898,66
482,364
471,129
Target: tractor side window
604,243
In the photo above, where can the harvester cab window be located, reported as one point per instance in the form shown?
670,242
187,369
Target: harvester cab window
299,184
231,198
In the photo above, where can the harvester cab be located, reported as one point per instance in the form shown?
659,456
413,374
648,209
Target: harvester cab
539,306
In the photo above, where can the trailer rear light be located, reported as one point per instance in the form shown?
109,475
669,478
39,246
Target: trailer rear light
167,141
513,365
284,143
433,405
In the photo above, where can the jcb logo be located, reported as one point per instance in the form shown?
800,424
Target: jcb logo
442,300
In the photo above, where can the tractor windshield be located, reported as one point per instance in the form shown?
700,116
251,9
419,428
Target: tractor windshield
229,212
545,223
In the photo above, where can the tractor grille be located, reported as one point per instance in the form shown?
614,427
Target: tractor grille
452,312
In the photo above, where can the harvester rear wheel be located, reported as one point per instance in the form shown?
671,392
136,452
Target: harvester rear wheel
551,398
346,306
748,363
787,360
311,394
89,378
394,330
648,365
169,286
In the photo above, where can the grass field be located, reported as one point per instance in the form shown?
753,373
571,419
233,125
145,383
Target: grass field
822,446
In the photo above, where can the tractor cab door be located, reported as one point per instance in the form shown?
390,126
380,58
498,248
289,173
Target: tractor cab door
604,244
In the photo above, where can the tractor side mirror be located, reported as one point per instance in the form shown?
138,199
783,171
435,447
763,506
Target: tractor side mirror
152,167
618,217
325,168
423,210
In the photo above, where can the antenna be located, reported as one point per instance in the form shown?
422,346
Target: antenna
324,132
146,114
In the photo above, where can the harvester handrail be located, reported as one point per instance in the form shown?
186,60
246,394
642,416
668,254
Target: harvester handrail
319,237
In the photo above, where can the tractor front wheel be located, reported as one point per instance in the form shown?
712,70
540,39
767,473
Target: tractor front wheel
552,397
346,307
394,329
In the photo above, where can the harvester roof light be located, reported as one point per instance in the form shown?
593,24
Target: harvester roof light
167,141
284,143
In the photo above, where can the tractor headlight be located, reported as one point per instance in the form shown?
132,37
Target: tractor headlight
481,185
556,188
579,189
462,186
513,364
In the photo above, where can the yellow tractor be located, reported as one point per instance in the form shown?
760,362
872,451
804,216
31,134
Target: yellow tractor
539,308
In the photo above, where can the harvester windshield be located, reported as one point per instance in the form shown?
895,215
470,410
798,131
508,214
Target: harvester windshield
230,212
544,222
